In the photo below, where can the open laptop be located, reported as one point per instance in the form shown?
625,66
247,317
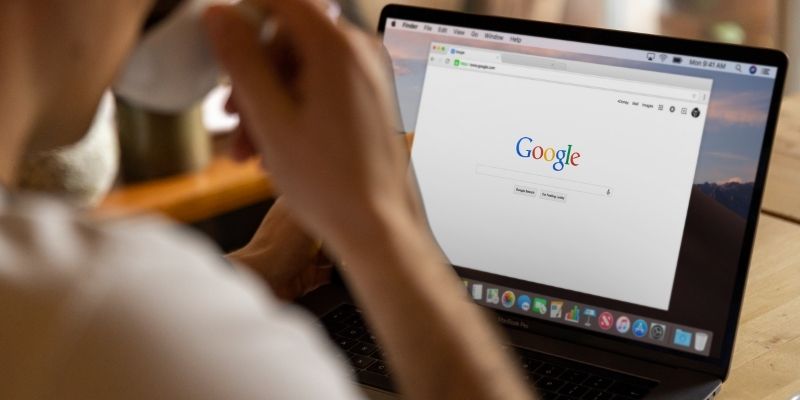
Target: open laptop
598,190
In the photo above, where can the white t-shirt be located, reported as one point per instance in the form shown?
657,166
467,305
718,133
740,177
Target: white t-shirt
144,310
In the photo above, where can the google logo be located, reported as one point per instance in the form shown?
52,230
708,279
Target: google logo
562,158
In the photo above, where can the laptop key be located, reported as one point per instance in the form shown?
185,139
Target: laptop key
531,378
573,390
354,320
343,342
574,376
530,365
368,337
597,395
549,396
364,349
339,314
598,382
334,326
549,384
361,362
352,333
379,368
550,370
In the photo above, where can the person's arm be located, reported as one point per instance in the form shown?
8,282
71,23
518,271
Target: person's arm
284,256
325,134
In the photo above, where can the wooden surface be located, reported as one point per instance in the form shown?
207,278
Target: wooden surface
221,187
766,361
782,195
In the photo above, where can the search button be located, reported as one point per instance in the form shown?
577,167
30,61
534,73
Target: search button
553,196
525,191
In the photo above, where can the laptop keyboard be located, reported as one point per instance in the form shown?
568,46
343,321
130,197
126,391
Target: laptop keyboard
554,378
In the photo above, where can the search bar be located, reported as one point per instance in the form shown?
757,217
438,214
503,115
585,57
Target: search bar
544,181
533,61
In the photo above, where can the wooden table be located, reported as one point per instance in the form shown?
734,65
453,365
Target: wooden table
223,186
782,196
766,363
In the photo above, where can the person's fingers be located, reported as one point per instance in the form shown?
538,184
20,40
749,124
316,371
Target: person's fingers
236,44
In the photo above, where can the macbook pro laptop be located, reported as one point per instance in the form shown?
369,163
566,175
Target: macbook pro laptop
597,190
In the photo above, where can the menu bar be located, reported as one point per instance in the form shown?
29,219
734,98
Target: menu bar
591,318
685,61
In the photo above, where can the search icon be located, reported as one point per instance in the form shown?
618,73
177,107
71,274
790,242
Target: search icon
739,67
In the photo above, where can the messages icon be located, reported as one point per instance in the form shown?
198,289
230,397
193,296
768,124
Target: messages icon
540,306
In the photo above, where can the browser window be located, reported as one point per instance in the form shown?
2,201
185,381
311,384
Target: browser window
571,174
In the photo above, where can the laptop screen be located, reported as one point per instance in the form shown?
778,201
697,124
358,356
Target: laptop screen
585,185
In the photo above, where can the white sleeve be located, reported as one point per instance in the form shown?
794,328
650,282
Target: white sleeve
155,314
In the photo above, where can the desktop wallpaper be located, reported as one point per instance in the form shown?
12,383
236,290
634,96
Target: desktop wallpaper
734,127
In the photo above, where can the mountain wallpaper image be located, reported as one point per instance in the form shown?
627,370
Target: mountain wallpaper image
735,196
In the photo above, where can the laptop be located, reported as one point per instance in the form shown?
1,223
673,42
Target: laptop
598,191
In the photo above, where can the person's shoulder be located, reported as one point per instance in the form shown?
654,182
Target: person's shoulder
153,300
57,268
45,240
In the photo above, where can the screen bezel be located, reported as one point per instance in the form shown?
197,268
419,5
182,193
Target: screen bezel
720,366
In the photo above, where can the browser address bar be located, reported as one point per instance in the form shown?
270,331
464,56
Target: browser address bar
543,181
548,74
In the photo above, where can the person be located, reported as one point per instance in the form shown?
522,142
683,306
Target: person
141,309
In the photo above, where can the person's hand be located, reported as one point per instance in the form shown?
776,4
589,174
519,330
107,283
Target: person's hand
284,256
324,129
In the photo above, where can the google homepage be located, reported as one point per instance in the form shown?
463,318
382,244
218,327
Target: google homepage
575,180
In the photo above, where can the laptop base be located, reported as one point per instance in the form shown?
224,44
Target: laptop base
668,382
